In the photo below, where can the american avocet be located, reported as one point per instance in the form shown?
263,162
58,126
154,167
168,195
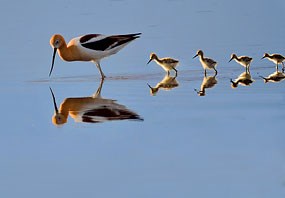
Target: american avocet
167,63
242,60
90,47
243,79
208,82
275,58
207,63
91,109
167,83
274,77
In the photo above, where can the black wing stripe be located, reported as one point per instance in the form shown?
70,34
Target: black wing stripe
87,37
112,41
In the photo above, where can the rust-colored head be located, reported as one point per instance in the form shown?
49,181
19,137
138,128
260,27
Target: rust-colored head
56,41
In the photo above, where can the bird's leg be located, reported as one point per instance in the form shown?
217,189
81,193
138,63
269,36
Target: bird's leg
276,66
283,67
205,72
100,70
168,73
175,71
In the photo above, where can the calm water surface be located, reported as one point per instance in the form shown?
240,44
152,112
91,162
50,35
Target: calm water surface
227,143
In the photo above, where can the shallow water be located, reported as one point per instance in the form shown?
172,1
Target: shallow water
228,143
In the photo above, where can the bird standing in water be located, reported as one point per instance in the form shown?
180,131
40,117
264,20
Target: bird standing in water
167,63
90,47
207,63
242,60
275,58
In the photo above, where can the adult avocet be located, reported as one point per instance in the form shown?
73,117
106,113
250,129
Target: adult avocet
207,63
242,60
167,63
90,47
275,58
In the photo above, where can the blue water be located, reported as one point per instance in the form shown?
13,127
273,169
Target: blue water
228,143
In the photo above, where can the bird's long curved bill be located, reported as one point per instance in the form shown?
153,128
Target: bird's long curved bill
230,59
195,56
54,102
53,57
149,61
263,57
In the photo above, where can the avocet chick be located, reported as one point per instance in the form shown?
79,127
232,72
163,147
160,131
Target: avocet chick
242,60
167,63
207,63
275,58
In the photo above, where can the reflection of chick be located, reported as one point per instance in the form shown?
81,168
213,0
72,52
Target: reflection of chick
91,109
243,79
208,82
274,77
167,83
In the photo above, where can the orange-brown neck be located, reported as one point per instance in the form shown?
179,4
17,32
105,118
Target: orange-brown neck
66,53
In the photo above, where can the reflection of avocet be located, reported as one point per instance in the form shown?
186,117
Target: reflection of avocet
277,76
167,83
207,63
90,47
243,79
92,109
167,63
242,60
275,58
208,82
